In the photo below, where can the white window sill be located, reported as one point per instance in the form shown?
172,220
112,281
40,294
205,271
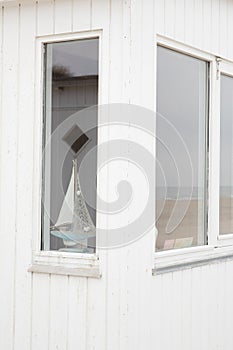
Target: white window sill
68,264
187,258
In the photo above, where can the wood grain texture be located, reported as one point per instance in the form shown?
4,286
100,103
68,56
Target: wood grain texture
127,308
9,144
25,107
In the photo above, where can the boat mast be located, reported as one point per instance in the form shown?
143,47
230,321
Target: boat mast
77,225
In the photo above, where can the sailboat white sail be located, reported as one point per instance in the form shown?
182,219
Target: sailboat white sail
74,224
67,209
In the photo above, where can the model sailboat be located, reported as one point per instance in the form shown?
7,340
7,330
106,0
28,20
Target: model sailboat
74,225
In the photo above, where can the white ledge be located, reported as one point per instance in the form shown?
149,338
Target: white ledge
3,2
188,258
12,3
68,264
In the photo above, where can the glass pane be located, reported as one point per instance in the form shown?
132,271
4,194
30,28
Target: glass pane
182,106
226,149
71,85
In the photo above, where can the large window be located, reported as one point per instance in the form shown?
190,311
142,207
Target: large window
70,88
181,131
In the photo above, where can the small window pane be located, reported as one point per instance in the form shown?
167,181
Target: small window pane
226,149
70,86
182,110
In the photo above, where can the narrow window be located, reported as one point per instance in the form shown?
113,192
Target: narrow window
70,86
226,147
181,175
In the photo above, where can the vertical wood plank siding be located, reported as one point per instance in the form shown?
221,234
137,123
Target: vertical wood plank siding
127,308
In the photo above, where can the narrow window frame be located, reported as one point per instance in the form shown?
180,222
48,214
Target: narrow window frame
55,261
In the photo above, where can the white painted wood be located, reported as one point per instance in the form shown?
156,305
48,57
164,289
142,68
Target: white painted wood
148,59
204,299
180,20
100,10
24,178
170,260
198,23
221,307
230,29
40,309
136,42
186,49
189,22
207,34
142,50
45,17
195,310
157,297
127,308
81,15
58,309
63,23
86,265
212,305
176,314
77,312
93,272
115,94
169,23
166,304
1,53
160,16
115,51
186,326
100,20
96,337
126,50
215,26
223,24
8,137
229,306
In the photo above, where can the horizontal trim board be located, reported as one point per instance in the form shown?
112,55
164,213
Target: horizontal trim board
16,2
186,266
69,264
218,255
181,47
93,272
190,49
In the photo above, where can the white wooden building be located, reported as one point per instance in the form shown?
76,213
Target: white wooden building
130,297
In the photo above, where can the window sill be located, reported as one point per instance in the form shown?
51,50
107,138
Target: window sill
181,259
68,264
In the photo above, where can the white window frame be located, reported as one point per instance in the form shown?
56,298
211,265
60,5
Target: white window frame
76,264
218,246
224,67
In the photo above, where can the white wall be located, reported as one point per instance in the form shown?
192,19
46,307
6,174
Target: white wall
127,308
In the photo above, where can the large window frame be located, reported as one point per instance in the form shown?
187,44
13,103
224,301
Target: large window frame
76,264
218,246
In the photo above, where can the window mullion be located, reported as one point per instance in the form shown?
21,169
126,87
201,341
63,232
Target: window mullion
214,155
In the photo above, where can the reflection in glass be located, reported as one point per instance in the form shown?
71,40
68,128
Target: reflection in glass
226,163
182,109
71,85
